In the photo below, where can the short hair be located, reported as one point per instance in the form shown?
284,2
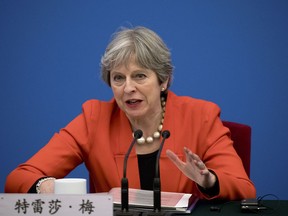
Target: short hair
144,46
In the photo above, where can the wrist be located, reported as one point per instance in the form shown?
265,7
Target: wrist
213,189
208,181
212,180
40,182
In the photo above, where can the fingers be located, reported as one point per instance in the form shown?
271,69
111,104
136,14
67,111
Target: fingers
196,160
191,154
171,155
200,165
205,172
191,158
194,168
174,158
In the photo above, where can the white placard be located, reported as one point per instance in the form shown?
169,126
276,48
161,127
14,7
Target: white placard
56,204
70,186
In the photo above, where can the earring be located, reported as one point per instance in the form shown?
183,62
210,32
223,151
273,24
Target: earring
163,89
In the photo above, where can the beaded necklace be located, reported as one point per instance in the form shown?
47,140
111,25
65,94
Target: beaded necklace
156,134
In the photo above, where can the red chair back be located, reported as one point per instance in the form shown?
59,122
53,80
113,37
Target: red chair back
241,136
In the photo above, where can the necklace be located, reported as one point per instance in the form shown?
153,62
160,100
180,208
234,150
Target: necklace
156,134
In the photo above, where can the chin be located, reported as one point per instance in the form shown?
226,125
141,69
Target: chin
134,115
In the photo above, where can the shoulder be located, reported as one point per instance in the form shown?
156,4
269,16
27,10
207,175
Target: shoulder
186,107
94,107
191,103
96,103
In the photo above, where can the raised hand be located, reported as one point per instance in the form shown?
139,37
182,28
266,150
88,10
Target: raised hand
193,168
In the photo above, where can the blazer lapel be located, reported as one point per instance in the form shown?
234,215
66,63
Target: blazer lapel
123,144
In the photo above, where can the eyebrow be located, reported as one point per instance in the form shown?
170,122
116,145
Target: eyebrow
134,71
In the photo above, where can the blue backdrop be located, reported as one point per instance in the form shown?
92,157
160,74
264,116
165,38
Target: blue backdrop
233,53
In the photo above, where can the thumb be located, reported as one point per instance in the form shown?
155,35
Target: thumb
174,158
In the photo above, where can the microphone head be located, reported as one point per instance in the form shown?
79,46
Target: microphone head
165,134
138,134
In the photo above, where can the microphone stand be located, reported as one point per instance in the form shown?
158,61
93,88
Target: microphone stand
124,181
157,182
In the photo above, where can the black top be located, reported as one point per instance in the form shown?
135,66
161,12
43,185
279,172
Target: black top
146,166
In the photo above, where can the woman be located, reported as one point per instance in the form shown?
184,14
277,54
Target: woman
198,157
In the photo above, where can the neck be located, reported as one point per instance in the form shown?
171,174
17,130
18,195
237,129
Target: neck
147,125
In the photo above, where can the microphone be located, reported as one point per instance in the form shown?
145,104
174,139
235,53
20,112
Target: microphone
124,181
157,182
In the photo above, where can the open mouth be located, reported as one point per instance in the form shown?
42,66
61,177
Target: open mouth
133,101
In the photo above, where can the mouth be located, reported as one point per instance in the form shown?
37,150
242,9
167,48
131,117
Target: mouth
133,102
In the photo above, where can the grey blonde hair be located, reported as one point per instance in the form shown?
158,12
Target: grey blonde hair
142,45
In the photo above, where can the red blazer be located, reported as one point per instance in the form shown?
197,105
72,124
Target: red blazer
100,136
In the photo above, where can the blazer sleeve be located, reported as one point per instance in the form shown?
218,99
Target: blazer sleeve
57,158
220,156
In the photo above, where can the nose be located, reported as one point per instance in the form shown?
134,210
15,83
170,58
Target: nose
129,86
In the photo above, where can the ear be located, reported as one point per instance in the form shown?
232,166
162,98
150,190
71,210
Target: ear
164,85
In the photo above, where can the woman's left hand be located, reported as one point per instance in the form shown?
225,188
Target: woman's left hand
193,168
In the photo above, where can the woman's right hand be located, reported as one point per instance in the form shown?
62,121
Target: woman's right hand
47,186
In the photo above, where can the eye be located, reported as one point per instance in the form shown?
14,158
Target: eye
118,78
140,76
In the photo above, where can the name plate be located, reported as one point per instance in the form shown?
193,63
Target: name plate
56,204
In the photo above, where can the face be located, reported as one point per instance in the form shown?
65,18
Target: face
136,90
